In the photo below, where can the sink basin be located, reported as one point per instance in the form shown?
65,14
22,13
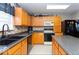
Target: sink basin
17,37
10,40
6,42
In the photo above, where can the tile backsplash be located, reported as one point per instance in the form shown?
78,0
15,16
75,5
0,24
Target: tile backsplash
38,28
20,29
17,29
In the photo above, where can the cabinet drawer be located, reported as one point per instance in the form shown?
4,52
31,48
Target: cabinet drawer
24,47
59,34
62,51
56,51
14,49
56,44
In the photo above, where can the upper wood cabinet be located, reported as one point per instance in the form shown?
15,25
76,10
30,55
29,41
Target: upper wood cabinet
29,20
37,21
57,20
57,24
21,17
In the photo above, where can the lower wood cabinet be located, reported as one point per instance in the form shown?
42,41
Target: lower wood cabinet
18,52
38,38
19,49
57,49
14,49
62,51
24,47
59,34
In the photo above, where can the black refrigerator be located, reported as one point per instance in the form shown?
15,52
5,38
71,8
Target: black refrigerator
69,27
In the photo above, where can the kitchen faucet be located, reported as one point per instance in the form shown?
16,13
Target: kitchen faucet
3,31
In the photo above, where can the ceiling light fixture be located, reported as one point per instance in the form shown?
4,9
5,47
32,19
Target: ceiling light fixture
57,6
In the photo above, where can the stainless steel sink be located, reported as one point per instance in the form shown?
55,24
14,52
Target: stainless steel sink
10,40
16,37
6,42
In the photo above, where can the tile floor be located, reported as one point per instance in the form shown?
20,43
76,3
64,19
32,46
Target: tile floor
41,50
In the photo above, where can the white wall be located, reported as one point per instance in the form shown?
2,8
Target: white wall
65,16
75,15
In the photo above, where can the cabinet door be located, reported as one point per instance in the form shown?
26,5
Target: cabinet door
62,51
57,20
57,24
57,29
37,21
29,20
38,38
24,18
18,16
15,48
54,48
21,17
56,51
18,52
24,47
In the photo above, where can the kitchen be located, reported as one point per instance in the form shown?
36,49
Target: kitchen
39,29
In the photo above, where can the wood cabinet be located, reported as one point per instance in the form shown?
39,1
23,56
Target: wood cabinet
57,20
59,34
38,38
13,50
61,51
57,49
24,47
29,20
57,24
17,52
21,17
37,21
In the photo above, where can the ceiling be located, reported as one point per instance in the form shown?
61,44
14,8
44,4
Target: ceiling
40,8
